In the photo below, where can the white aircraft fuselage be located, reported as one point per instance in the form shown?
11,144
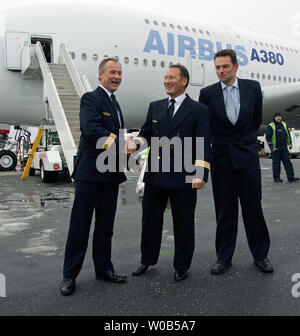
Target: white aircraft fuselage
145,45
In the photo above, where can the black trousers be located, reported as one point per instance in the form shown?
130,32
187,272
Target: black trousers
230,187
183,205
90,197
282,154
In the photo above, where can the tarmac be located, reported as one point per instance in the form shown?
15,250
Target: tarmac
34,220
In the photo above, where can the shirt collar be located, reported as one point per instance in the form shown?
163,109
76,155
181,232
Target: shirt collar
108,92
235,84
179,99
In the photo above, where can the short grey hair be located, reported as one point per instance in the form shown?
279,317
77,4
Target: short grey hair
102,65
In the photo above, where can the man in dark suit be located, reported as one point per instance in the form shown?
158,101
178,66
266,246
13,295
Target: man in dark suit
100,117
177,117
236,115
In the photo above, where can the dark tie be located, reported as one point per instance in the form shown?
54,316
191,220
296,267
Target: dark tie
171,109
114,101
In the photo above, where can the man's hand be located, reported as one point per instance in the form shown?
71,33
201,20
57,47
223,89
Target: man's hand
290,146
130,146
198,184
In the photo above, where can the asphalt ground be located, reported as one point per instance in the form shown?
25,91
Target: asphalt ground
34,220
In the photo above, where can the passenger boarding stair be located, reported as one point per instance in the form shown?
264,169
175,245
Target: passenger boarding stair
63,89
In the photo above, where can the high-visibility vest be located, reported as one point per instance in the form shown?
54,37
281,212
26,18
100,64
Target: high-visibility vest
288,139
144,154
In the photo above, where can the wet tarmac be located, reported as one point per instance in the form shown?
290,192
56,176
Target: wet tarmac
34,219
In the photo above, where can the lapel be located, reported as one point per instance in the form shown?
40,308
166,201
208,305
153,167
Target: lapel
180,115
110,105
244,98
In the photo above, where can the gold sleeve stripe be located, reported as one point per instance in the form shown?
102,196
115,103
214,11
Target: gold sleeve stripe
204,164
140,140
110,140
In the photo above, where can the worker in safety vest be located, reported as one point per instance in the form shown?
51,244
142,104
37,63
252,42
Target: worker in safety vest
279,140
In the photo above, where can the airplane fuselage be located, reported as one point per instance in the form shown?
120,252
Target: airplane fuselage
145,45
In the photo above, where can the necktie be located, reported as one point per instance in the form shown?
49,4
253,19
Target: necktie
171,109
114,101
230,107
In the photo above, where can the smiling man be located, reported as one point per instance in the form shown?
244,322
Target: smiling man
236,113
177,117
100,116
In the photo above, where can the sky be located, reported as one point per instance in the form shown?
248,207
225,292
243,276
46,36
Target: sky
272,17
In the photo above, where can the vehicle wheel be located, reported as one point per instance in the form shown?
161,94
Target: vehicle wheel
8,160
47,176
31,171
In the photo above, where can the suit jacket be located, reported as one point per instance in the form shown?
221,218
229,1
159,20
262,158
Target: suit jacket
98,119
191,120
234,146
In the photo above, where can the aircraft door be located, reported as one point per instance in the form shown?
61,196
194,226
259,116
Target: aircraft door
196,67
15,42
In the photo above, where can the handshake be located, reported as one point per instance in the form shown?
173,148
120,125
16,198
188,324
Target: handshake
130,146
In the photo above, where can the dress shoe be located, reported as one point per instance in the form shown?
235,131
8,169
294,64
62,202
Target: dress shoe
67,287
180,276
112,277
220,267
140,270
264,265
278,180
294,179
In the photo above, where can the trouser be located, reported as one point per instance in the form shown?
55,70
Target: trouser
230,186
90,197
282,154
183,205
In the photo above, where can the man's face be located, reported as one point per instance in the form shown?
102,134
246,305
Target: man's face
278,119
225,70
174,83
111,77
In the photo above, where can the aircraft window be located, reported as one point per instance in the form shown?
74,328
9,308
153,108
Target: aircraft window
269,77
201,31
279,78
281,48
261,43
276,46
187,29
284,79
117,58
171,63
286,49
154,63
252,75
267,45
136,61
145,62
84,56
194,30
291,50
164,24
274,78
156,23
147,21
172,26
294,80
162,64
256,42
126,60
272,46
105,56
290,80
179,27
208,33
238,37
73,55
95,57
258,76
296,51
263,76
